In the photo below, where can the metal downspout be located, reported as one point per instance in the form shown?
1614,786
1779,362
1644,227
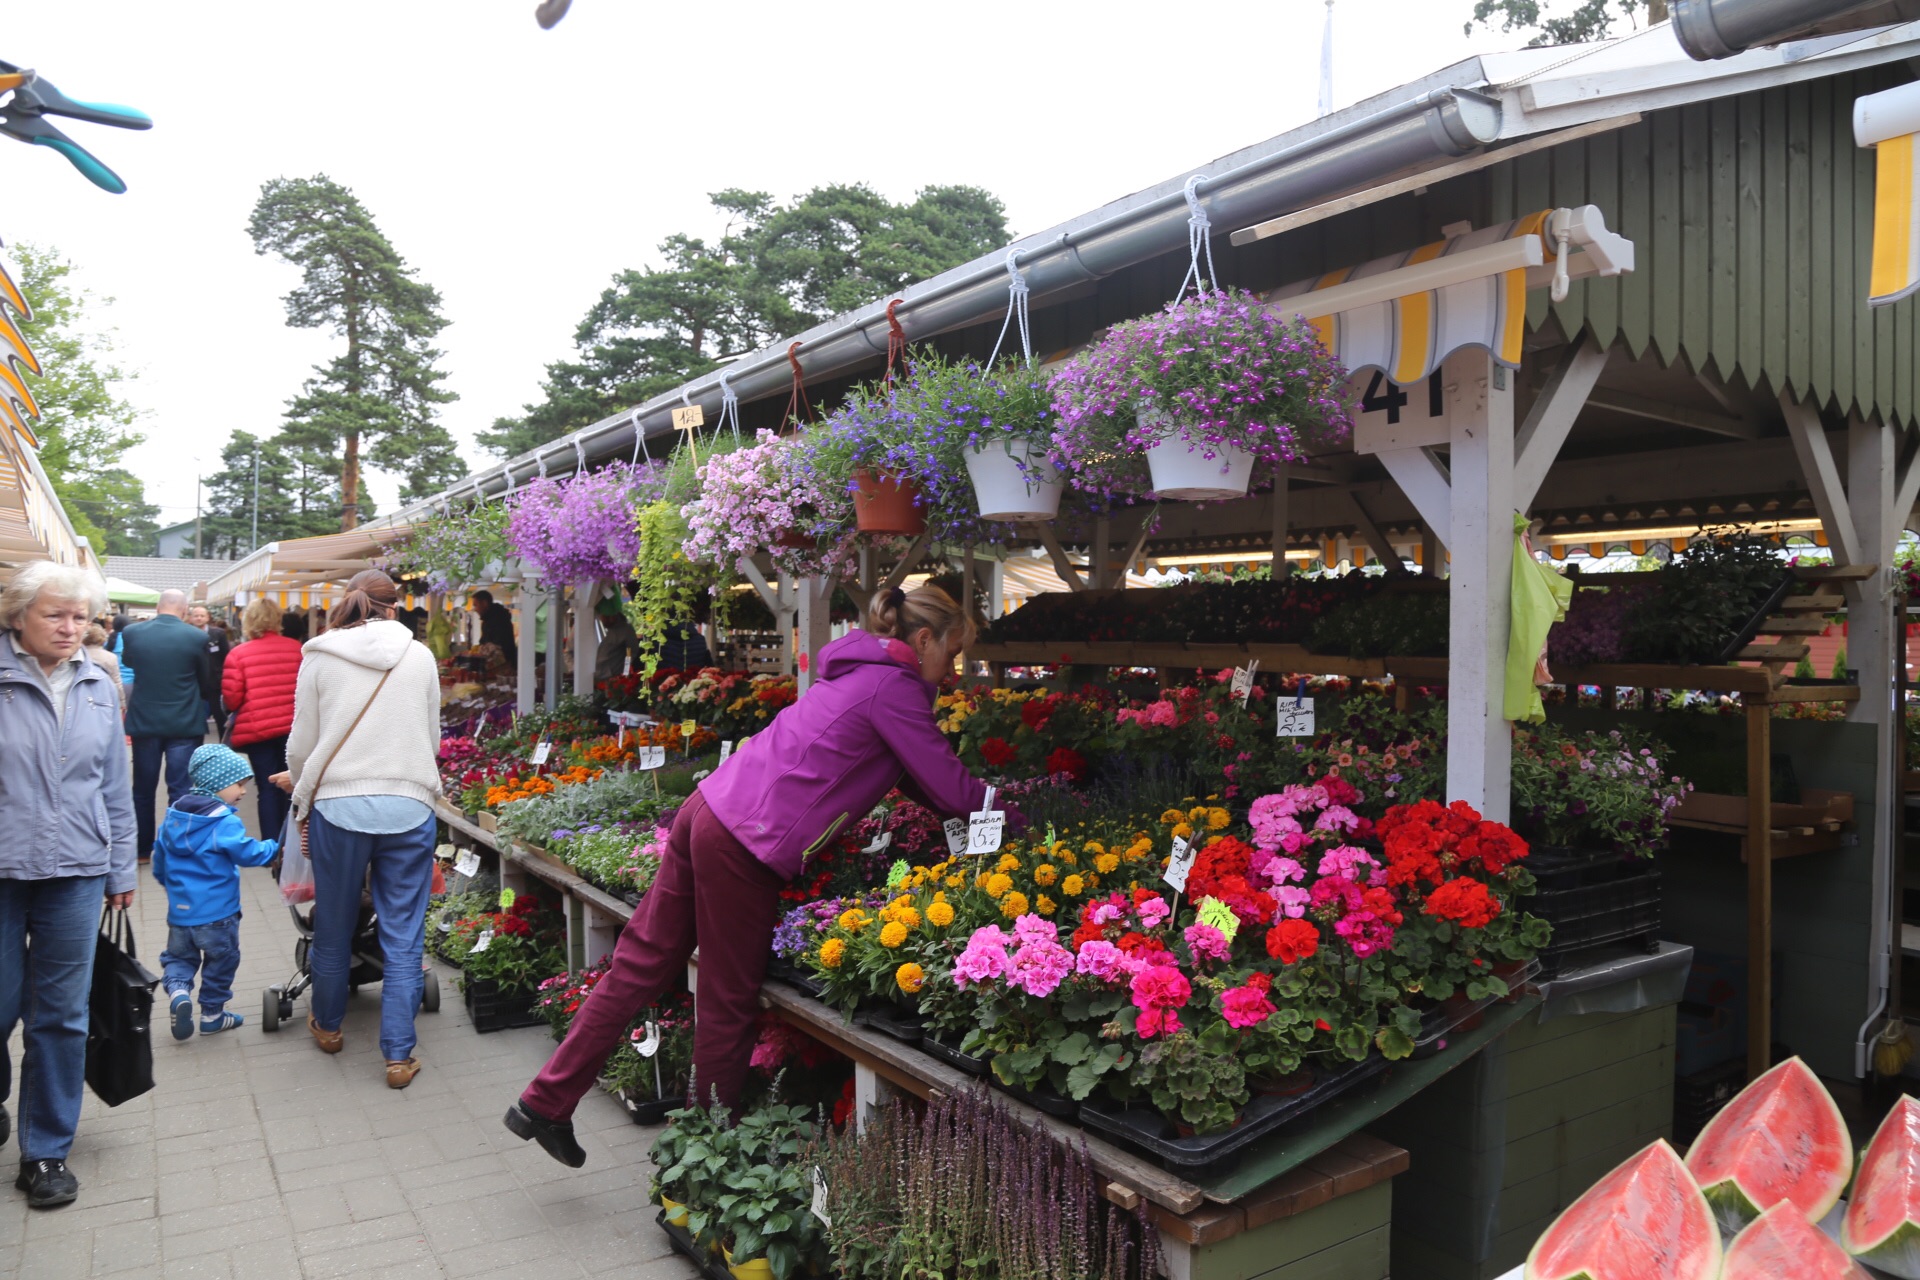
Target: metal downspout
1710,29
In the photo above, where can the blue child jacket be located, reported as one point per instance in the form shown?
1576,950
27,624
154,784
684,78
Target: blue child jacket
197,857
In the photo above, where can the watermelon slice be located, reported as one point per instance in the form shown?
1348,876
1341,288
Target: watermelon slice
1644,1221
1883,1218
1781,1244
1780,1139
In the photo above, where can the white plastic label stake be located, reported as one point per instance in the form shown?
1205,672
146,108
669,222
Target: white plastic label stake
468,863
726,749
541,750
1293,719
482,942
956,829
1180,864
820,1197
626,668
880,843
984,828
651,757
1243,682
650,1045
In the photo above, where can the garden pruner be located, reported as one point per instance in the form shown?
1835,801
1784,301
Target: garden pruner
23,116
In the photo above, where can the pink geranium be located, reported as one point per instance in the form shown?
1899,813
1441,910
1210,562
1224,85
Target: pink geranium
1245,1006
1031,928
1153,912
1207,942
1039,967
1159,991
985,958
1101,960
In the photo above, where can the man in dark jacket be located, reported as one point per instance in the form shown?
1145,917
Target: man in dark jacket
219,644
166,717
496,624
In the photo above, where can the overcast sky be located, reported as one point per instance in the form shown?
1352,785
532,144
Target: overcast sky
518,169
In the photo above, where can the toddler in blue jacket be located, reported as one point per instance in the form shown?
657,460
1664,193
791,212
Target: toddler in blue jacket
197,859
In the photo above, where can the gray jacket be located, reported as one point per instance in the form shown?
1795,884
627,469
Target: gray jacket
66,795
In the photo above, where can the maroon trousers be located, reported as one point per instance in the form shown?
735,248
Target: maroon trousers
710,892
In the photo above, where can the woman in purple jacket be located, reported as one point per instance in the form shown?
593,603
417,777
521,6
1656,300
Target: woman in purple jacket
864,727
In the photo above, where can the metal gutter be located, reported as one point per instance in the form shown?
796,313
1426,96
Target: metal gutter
1710,29
1439,123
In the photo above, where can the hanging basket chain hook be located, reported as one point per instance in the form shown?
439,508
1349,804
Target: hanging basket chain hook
1016,309
797,408
1199,245
896,341
639,440
729,406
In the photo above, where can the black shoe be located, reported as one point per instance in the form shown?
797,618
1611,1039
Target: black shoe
554,1136
6,1126
47,1183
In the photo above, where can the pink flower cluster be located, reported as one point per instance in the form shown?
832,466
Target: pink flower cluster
1205,942
1155,715
752,498
1030,959
1244,1007
1159,993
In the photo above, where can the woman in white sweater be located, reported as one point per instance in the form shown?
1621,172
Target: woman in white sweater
362,763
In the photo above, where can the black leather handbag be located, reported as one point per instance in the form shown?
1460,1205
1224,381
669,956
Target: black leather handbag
120,1009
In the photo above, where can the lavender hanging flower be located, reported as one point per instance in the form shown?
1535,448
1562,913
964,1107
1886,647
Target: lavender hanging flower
582,528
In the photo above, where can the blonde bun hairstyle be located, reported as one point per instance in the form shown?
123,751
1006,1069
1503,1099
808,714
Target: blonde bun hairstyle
897,614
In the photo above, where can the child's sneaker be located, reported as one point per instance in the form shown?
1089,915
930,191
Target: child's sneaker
181,1006
215,1023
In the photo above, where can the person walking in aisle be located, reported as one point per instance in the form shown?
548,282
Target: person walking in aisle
116,645
864,727
66,843
166,717
95,643
218,646
496,623
258,689
363,768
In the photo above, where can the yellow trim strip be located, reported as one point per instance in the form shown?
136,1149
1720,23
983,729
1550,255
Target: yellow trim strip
10,332
19,385
1892,218
1415,313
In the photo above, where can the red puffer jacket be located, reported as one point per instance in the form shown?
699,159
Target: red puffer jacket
258,688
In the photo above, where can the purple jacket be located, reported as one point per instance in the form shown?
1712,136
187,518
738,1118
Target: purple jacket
826,760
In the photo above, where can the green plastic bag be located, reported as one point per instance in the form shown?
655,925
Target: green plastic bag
1540,598
439,639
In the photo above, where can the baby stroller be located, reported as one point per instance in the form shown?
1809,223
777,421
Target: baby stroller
367,965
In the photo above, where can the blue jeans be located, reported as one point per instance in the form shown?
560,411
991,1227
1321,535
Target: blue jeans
401,881
212,951
149,754
47,932
267,759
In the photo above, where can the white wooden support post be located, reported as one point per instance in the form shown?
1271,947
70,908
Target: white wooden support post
997,601
783,619
556,660
1480,535
870,1092
1281,501
967,583
525,601
816,622
586,638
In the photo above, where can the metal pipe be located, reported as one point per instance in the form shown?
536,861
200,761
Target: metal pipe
1440,123
1710,29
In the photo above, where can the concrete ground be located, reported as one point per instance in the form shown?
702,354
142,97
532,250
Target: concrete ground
258,1156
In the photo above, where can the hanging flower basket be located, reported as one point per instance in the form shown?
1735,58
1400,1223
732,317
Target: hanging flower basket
1191,470
887,504
1012,479
794,540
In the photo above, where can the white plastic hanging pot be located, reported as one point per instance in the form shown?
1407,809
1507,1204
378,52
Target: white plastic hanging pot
1007,492
1183,472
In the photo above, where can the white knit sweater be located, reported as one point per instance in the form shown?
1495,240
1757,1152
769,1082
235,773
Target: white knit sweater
395,750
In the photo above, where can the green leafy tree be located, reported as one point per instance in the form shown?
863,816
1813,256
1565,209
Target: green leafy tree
86,426
382,393
299,495
1587,21
774,270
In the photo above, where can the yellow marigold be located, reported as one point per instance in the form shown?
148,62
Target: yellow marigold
957,880
1218,818
1060,847
1139,849
1013,906
1107,863
909,977
1092,881
939,915
1197,814
1072,886
832,952
908,917
1045,874
1007,863
1182,830
893,935
1045,906
998,885
1069,858
1093,846
1172,816
854,921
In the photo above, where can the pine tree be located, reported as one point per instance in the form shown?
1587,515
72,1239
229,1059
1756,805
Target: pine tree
86,427
382,393
299,495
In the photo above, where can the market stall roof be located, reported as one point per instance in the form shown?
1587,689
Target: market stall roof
1465,117
308,568
120,591
162,573
33,524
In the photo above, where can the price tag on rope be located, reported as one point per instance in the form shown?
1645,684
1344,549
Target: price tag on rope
820,1197
985,827
956,829
482,942
541,750
650,1043
1180,863
651,757
467,863
1294,719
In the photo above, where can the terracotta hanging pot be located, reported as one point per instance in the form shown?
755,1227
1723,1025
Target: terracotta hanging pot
795,540
886,504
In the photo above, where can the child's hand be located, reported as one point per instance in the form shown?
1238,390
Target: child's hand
284,781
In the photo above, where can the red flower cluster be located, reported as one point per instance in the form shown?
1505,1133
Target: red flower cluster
1068,761
1464,901
1035,712
1292,941
1423,842
997,752
1220,871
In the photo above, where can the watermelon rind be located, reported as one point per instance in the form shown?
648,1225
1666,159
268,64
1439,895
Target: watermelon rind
1882,1226
1781,1244
1781,1138
1645,1220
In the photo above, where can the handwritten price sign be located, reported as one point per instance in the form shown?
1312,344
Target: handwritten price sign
1293,719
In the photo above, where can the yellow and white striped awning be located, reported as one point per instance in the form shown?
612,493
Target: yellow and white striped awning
1888,122
16,362
305,572
1375,316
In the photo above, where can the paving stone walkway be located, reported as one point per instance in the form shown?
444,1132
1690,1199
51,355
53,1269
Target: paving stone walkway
258,1156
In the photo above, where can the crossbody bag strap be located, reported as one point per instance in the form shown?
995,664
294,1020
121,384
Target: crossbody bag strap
349,733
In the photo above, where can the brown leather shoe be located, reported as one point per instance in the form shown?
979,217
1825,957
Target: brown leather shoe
329,1041
401,1074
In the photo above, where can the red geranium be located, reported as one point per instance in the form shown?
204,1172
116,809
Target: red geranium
1292,941
1464,901
997,752
1068,761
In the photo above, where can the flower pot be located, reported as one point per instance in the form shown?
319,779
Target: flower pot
794,539
1283,1086
886,504
751,1269
1183,471
676,1212
1007,492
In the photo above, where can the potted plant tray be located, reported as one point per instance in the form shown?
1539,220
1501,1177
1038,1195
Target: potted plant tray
492,1009
648,1110
793,975
1461,1015
952,1056
1041,1099
901,1024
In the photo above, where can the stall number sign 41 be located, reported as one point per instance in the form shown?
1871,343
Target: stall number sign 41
1293,718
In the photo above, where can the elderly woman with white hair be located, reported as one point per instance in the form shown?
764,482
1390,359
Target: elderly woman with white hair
66,842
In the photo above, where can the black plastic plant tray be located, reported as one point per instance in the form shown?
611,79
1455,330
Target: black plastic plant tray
1598,915
1042,1099
896,1022
650,1110
1558,869
793,975
1441,1020
710,1265
953,1057
493,1010
1202,1155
